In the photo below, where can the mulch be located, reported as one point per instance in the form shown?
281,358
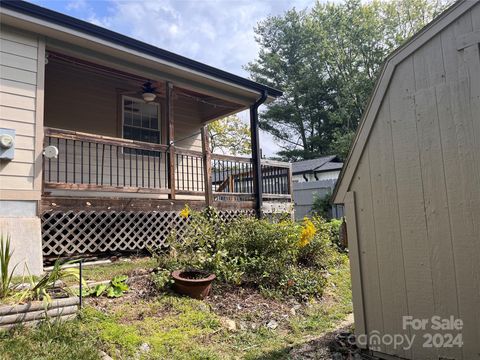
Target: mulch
249,308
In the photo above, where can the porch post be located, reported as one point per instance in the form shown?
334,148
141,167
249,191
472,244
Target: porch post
256,158
207,166
170,140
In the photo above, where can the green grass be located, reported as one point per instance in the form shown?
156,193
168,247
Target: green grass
48,341
103,272
174,328
109,271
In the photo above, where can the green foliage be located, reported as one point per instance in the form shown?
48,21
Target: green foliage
116,288
41,290
335,234
230,136
322,206
275,257
326,61
322,252
5,258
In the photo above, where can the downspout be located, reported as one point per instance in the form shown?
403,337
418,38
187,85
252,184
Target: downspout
256,160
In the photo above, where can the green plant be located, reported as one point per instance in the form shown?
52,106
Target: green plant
162,279
336,225
5,258
41,290
116,288
302,283
322,205
279,257
322,252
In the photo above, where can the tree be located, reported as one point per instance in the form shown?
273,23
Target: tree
326,62
230,136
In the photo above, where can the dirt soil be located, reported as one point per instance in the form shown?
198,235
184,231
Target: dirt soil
248,307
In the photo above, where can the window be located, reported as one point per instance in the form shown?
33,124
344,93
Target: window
141,121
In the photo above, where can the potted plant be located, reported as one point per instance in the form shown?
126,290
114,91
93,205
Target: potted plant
193,252
194,283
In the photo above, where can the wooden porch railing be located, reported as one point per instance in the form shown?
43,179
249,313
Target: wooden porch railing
102,163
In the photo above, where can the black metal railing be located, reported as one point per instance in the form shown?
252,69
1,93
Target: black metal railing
95,162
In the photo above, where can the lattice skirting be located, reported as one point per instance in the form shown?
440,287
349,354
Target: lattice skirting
67,233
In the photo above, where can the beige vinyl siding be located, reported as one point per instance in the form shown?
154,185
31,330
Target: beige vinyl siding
417,196
20,82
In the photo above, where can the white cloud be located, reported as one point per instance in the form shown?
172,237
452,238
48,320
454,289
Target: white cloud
216,32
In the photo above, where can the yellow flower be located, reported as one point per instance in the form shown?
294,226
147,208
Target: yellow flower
185,213
308,232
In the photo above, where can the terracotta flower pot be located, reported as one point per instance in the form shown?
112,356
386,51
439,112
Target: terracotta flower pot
194,283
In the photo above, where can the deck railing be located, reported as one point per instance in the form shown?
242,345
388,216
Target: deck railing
94,162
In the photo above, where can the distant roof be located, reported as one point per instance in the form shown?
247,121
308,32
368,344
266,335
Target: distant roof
119,39
325,163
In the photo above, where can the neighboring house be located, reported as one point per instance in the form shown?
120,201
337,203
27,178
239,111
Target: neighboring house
104,141
411,189
315,178
323,168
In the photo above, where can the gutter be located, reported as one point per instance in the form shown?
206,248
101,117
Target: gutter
257,172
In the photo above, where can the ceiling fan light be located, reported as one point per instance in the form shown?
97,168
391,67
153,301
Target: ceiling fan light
148,96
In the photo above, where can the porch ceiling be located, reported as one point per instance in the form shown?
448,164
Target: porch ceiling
84,96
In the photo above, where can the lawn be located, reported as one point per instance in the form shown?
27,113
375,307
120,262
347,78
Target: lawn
233,323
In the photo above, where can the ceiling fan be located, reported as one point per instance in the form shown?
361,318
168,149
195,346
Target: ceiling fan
149,92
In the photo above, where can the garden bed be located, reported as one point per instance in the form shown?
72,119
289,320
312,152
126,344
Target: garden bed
280,286
31,313
150,325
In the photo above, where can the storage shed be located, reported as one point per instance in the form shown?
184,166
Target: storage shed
411,190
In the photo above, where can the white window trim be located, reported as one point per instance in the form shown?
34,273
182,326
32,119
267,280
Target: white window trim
159,113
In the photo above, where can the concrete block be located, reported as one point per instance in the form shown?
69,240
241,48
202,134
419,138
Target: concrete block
26,243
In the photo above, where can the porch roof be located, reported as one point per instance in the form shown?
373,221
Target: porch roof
100,33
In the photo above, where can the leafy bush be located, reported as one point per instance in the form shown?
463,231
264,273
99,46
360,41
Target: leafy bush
278,257
322,206
335,234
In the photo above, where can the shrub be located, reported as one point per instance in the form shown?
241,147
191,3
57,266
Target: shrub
322,206
336,224
278,257
321,252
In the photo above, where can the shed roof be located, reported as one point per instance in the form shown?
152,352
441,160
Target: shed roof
381,86
318,164
87,28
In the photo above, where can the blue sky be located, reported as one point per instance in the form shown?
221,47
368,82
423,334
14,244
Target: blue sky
216,32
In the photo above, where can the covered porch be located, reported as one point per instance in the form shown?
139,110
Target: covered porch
126,166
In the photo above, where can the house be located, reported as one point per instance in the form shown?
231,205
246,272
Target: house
103,139
411,189
315,178
322,168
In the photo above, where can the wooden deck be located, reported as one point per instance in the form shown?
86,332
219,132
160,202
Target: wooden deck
105,194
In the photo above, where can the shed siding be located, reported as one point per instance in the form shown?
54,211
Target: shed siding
417,195
21,89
